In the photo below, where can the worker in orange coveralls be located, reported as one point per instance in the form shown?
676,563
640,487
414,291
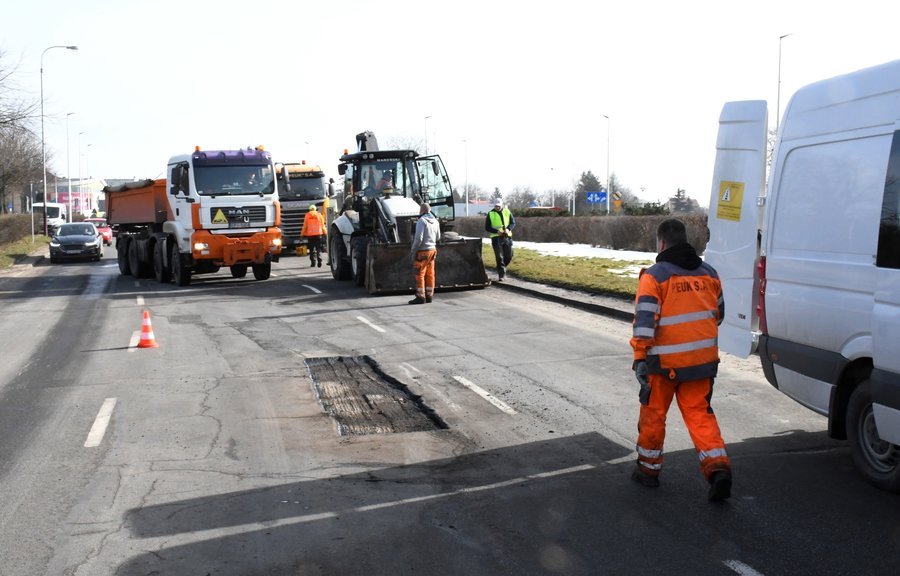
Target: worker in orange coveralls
314,232
423,253
678,309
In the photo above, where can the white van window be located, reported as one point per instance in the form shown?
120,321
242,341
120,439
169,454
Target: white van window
889,231
826,183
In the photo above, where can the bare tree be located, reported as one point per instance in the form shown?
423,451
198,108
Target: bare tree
16,110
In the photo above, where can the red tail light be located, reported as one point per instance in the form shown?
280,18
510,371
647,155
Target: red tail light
761,305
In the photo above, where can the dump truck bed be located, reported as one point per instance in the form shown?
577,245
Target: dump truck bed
458,266
142,202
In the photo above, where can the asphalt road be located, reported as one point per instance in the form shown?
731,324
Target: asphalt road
213,452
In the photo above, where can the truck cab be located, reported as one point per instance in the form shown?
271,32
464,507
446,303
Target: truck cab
299,186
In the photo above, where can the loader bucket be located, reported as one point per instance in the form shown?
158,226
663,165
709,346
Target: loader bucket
459,265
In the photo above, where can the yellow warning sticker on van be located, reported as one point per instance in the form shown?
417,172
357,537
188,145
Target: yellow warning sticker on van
731,198
219,218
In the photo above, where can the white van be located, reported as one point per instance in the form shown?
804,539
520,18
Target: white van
57,213
810,264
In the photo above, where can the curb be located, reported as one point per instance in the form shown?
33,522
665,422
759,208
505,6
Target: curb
609,311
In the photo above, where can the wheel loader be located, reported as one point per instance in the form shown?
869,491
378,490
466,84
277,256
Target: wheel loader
370,240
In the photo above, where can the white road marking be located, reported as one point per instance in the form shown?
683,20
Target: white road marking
98,430
741,568
315,290
140,300
372,326
135,338
485,394
224,532
409,369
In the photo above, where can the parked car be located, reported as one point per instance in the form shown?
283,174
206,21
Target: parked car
76,240
104,229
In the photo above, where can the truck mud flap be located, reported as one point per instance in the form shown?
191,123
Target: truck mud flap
459,266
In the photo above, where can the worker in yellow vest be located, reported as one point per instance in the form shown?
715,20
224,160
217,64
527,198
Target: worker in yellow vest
500,223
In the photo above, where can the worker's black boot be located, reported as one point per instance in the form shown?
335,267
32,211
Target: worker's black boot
417,300
720,486
643,478
320,263
312,263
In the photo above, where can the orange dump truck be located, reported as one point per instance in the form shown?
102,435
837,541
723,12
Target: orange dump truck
215,208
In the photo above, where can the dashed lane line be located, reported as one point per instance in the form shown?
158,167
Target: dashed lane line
368,323
741,568
314,290
140,300
503,407
101,422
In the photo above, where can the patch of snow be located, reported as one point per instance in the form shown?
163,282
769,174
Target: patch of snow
582,251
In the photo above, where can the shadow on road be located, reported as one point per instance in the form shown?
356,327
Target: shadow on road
562,506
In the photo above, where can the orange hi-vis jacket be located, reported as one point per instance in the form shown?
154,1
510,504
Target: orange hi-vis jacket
677,315
313,224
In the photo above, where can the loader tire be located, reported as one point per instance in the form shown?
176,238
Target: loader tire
340,264
358,248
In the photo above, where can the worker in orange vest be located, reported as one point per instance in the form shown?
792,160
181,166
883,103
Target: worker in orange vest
314,231
678,309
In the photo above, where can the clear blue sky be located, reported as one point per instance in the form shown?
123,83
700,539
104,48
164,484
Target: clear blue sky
516,92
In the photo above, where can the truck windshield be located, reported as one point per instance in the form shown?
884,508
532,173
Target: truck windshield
304,188
234,180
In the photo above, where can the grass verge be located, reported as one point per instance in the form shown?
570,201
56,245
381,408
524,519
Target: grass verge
14,251
594,275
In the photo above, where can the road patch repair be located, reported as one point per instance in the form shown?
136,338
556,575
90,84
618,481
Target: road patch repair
363,399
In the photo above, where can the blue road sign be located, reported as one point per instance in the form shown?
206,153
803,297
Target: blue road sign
596,197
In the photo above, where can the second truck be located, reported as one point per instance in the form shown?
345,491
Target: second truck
299,186
215,208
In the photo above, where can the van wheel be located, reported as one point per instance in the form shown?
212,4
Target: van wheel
878,460
122,256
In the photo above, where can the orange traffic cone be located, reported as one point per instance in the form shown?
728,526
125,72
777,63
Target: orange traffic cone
147,338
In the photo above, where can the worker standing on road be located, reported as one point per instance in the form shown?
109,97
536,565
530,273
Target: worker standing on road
678,309
500,223
314,231
423,252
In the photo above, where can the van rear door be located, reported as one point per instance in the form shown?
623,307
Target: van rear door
735,220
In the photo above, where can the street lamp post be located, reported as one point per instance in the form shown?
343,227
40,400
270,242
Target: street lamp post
426,134
467,176
778,105
79,170
87,169
307,150
608,191
43,149
68,168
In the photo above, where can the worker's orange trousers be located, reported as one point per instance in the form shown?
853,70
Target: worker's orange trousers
693,398
423,264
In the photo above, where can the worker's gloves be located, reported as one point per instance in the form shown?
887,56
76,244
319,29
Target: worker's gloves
642,373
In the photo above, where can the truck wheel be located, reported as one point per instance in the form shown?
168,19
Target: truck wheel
340,266
262,271
138,266
238,270
180,270
160,271
358,248
878,460
122,256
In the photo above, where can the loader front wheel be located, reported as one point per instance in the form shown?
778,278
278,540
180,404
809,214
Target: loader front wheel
340,264
358,249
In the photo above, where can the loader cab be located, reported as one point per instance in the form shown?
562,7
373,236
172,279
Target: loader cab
372,175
